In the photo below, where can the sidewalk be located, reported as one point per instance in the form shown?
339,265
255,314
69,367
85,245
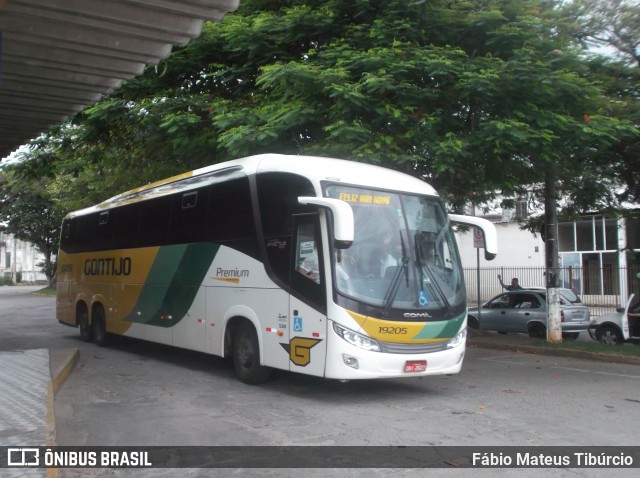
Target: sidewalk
29,381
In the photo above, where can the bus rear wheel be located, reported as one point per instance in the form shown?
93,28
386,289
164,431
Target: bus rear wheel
98,327
246,356
83,325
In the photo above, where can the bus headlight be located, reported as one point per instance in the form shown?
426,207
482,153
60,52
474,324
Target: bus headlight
459,339
354,338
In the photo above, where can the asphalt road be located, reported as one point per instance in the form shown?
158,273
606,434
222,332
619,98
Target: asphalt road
137,393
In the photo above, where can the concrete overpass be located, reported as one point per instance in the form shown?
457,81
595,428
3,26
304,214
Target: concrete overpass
59,56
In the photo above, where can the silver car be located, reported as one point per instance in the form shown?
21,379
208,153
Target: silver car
525,311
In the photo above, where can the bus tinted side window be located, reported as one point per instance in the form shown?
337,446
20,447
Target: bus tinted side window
217,213
125,226
88,234
102,230
67,242
230,215
278,197
154,221
188,214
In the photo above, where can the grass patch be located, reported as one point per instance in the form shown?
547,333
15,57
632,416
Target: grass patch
597,347
46,291
582,344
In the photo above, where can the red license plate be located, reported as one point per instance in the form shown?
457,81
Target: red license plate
415,366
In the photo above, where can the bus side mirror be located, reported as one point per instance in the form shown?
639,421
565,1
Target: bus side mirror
488,232
343,224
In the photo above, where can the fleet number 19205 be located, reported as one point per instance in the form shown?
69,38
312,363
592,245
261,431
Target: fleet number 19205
392,330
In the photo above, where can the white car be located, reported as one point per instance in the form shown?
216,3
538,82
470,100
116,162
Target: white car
618,327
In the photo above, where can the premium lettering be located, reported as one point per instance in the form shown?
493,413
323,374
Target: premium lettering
220,272
108,266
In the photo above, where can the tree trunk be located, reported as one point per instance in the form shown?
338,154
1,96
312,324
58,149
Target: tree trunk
49,270
554,324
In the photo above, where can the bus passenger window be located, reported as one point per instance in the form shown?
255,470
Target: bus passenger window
307,253
307,276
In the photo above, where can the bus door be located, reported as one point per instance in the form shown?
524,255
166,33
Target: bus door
308,299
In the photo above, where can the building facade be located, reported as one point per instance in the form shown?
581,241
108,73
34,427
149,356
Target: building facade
599,257
19,261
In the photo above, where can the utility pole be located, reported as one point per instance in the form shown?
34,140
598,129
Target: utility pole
554,324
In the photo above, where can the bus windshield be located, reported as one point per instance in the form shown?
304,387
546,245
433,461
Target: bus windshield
403,255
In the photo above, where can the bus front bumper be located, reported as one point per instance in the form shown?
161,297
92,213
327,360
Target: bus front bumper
348,362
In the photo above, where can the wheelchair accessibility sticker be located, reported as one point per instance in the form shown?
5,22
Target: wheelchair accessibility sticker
297,324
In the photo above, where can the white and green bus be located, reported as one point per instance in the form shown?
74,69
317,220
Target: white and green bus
320,266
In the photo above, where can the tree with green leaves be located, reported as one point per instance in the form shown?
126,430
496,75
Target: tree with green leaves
613,25
475,97
480,98
28,212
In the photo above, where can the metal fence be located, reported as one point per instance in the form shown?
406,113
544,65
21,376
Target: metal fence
602,289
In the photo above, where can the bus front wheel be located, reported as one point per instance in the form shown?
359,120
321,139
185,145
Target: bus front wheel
246,355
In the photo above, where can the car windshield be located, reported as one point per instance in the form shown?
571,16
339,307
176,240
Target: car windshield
403,255
569,295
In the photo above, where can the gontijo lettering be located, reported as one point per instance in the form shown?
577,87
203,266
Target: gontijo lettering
108,266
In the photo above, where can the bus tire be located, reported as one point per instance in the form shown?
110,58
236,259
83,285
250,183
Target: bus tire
98,327
246,355
83,324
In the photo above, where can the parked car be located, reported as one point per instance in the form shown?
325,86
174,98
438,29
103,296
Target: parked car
618,327
567,294
525,311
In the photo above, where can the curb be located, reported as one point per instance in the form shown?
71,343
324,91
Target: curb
61,363
558,352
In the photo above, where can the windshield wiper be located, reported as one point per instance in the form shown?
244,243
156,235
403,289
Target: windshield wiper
392,290
424,266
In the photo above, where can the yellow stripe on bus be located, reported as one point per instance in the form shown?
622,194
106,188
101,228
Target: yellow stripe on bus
393,331
114,278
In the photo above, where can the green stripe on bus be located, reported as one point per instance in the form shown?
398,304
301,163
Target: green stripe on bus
165,298
442,329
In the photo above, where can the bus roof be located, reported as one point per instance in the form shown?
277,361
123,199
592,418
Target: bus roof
318,169
315,168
